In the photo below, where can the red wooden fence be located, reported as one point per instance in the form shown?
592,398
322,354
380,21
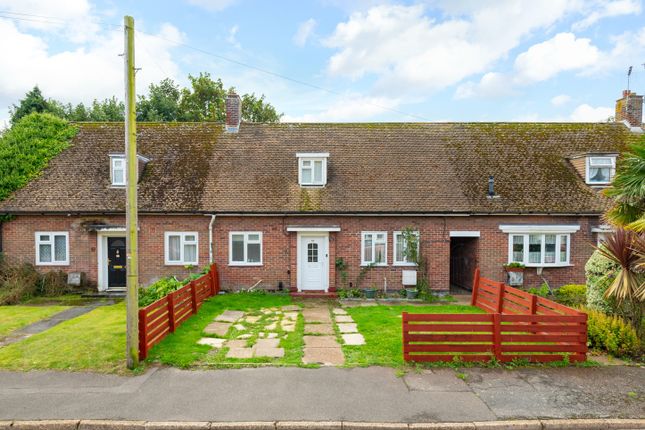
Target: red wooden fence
166,314
518,325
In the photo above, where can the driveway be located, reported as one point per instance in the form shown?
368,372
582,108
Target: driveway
357,394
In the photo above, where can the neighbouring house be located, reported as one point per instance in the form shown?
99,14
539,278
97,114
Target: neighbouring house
278,205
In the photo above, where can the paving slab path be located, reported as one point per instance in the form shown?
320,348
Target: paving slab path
47,323
323,349
374,394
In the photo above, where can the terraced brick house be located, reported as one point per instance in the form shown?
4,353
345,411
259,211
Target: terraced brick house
279,205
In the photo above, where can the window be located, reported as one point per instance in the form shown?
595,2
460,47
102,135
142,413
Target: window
400,259
245,249
117,170
312,169
52,248
181,248
539,249
600,170
374,248
312,253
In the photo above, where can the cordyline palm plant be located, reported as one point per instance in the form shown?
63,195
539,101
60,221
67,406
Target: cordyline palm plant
626,248
628,190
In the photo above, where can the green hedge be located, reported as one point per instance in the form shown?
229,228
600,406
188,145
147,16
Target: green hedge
612,334
571,295
599,271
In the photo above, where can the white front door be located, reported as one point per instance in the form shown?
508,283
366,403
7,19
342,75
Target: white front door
313,263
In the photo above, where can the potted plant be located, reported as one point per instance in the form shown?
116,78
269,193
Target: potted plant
514,273
370,293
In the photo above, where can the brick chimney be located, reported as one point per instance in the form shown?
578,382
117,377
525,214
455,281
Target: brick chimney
233,112
630,109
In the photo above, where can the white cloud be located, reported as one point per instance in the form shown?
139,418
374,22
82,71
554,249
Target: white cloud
560,100
84,72
305,30
212,5
586,113
561,53
55,16
608,9
350,108
542,61
408,51
232,37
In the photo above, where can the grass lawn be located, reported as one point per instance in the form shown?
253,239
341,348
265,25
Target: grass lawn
94,341
180,349
15,317
381,327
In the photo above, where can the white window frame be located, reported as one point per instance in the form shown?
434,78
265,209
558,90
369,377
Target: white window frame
113,159
182,241
51,242
313,158
591,163
374,233
246,235
525,243
396,262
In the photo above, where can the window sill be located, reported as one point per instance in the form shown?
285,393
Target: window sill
404,265
313,185
170,263
118,186
66,263
546,266
244,264
374,265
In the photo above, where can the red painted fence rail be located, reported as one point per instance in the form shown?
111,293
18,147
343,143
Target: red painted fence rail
166,314
518,325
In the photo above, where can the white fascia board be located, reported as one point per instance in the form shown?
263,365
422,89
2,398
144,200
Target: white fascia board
539,228
312,154
313,229
464,233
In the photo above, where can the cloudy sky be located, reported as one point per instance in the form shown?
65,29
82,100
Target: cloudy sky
361,60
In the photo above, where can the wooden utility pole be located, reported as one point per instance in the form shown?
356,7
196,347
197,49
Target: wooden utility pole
132,249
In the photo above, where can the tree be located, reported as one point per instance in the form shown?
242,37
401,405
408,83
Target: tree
255,109
162,103
34,101
628,190
204,101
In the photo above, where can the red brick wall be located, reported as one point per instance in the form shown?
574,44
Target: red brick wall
279,246
19,242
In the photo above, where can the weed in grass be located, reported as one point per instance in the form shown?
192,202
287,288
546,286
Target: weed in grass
400,373
632,395
461,376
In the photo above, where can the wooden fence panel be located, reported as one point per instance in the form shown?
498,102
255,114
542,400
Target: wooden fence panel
162,317
518,325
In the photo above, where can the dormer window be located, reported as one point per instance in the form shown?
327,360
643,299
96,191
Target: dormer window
312,169
600,169
117,170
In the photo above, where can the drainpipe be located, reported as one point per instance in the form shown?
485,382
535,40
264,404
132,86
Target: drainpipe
210,239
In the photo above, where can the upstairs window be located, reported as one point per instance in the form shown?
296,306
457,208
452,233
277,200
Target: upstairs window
312,169
52,248
600,169
117,170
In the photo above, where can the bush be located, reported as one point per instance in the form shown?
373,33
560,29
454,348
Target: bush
543,291
612,334
599,271
572,295
19,282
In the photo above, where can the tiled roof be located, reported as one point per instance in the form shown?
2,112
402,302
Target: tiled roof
372,168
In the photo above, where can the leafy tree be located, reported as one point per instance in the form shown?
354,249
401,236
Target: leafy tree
255,109
27,147
628,190
162,103
204,101
34,101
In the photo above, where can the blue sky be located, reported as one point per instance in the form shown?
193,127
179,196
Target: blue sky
451,60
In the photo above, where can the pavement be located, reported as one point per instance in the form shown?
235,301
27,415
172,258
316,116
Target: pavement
372,394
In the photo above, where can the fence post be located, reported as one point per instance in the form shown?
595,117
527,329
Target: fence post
143,343
497,336
193,297
534,300
171,311
473,300
404,320
500,298
214,280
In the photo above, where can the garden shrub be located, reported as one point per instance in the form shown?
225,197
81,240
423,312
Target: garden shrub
599,273
17,283
165,286
571,295
612,334
543,291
